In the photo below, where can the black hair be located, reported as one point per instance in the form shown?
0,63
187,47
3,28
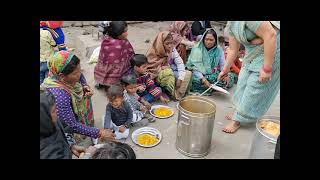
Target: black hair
168,36
71,66
114,91
138,60
129,79
211,31
221,39
242,48
47,127
116,28
114,150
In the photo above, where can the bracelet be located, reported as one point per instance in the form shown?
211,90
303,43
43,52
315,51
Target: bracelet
267,69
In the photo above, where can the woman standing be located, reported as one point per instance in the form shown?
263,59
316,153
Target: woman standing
259,78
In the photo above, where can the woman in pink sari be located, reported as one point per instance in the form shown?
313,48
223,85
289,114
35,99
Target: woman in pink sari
115,55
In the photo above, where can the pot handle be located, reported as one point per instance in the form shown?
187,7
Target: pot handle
185,121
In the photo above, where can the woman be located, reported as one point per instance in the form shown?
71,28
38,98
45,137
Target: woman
165,63
259,78
53,142
73,95
115,54
206,60
179,30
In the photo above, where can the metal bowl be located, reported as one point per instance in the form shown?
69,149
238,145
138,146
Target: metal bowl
146,130
154,107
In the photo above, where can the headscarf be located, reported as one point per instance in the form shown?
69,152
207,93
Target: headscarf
203,60
82,106
52,24
157,55
176,30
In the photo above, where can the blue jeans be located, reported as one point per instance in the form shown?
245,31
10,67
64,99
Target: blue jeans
43,71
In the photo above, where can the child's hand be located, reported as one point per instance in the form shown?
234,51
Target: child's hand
164,100
147,105
143,108
122,129
106,134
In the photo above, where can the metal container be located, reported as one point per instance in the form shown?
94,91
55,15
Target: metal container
196,116
263,145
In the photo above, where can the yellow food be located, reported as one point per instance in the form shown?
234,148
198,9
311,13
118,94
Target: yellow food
270,127
147,139
162,112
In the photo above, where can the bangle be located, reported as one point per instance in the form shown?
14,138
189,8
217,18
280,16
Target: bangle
267,69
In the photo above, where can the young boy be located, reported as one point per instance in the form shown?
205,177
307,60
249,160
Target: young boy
118,114
140,111
147,89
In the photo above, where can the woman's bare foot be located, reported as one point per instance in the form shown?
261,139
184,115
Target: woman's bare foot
232,127
229,116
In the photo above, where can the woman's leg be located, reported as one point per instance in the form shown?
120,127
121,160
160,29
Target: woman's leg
253,99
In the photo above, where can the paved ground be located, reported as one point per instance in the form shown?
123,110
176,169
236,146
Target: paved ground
224,146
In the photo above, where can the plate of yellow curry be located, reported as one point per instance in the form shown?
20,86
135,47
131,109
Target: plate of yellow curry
161,111
146,137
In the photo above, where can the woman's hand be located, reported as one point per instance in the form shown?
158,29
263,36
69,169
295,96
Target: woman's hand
77,150
264,76
87,91
222,74
178,83
106,134
257,41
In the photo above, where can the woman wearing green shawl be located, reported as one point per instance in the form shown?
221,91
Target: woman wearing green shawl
259,78
73,95
206,60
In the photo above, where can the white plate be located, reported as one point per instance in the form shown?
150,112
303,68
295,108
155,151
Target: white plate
220,89
146,130
157,106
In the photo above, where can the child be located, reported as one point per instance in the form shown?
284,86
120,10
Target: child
51,35
147,89
140,111
236,66
118,114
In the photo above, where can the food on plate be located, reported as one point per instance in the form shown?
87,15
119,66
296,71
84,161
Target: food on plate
147,139
270,127
162,112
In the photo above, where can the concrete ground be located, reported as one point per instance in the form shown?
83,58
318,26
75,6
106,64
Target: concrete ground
224,146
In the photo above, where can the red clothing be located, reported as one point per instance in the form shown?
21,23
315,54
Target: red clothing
236,66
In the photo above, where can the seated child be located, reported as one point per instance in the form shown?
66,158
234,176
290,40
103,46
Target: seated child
139,110
118,114
147,89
